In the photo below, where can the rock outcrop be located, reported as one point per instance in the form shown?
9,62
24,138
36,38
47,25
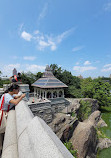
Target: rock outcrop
83,135
84,138
104,143
75,104
63,125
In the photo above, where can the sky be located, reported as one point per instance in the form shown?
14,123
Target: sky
74,34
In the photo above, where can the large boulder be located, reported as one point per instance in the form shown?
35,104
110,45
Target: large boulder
104,143
63,125
84,138
75,104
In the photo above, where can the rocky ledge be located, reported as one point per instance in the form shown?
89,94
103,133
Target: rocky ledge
83,135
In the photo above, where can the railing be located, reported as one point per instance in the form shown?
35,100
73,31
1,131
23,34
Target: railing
27,136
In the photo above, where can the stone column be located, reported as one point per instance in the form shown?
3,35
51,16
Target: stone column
63,93
57,93
51,94
37,93
45,94
34,91
40,94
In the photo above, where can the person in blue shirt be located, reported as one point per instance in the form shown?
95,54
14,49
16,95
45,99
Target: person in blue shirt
8,102
10,99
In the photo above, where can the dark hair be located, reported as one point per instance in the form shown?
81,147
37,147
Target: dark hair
12,87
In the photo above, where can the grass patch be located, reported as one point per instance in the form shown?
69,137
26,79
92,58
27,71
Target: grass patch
101,134
84,110
105,109
69,146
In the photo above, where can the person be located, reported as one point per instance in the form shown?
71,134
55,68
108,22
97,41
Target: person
9,98
8,102
19,77
13,79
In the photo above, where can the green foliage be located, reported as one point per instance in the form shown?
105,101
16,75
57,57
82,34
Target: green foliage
105,109
73,114
71,149
101,134
96,89
4,82
71,81
30,78
84,110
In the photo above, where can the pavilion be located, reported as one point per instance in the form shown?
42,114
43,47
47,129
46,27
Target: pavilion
48,86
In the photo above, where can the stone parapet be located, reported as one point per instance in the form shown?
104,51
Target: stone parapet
35,139
10,141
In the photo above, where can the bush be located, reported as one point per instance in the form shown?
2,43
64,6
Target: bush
71,149
84,110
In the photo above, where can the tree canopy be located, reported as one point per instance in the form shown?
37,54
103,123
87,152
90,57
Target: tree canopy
99,88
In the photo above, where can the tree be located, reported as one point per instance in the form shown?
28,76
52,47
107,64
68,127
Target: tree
30,78
96,89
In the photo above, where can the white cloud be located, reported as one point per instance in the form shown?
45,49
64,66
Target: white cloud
60,37
26,36
107,6
32,58
77,48
35,68
106,69
87,62
20,28
7,69
46,41
83,68
107,65
43,12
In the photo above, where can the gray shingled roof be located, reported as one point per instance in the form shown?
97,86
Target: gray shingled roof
48,80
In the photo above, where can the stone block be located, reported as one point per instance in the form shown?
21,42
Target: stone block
10,140
41,142
23,117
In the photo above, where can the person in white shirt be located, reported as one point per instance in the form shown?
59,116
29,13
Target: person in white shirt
10,100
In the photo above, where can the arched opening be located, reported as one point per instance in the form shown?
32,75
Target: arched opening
41,95
55,94
44,94
38,93
48,94
60,93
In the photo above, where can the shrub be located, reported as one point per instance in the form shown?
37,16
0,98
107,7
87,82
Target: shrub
84,110
69,146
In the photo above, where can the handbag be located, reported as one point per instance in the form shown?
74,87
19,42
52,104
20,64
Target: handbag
3,116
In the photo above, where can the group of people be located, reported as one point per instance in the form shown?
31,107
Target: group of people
16,78
8,102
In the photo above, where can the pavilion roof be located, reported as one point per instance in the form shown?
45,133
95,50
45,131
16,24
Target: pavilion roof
49,80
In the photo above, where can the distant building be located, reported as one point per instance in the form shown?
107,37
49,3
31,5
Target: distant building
49,86
14,72
4,78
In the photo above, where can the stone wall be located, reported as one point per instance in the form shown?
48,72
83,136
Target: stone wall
47,110
42,110
32,138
